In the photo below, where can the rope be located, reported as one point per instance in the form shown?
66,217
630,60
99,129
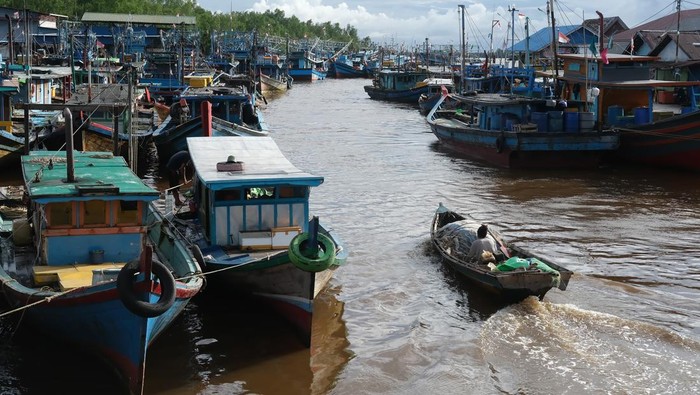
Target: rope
658,134
44,300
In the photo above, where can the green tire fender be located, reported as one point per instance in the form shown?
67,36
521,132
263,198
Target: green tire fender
323,261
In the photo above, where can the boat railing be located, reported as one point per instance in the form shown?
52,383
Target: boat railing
431,115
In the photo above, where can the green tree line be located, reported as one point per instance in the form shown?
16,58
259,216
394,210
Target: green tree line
275,22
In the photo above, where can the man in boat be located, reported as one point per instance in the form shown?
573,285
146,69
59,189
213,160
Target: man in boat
481,244
179,166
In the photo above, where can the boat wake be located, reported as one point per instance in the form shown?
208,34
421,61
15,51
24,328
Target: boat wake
532,345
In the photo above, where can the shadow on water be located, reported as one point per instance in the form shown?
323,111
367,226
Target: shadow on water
232,347
33,363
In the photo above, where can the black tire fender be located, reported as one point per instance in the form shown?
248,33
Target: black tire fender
125,287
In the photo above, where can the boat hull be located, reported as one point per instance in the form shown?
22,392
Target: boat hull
673,143
409,96
96,320
272,277
344,70
307,74
510,149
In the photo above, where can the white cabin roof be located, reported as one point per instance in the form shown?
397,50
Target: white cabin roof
263,162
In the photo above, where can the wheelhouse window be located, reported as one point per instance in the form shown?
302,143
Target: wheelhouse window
259,193
94,213
292,192
60,214
227,194
127,212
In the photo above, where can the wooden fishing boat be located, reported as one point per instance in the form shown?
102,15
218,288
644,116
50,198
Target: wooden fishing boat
346,66
652,131
93,265
252,229
516,275
304,66
520,132
171,138
398,86
429,99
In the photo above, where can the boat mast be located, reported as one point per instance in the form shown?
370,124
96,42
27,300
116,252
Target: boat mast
462,72
678,27
555,61
512,10
28,70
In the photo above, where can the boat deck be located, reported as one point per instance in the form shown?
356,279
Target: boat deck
74,276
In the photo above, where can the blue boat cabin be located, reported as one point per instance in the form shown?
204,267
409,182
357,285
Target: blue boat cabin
249,196
102,210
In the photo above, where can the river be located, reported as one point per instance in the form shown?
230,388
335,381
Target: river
395,319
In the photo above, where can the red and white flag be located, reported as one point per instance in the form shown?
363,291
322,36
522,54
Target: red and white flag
563,39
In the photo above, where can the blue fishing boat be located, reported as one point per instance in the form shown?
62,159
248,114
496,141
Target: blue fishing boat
520,132
398,86
93,264
436,88
227,101
303,66
252,227
172,137
347,67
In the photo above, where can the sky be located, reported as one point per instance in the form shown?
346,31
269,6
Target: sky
410,22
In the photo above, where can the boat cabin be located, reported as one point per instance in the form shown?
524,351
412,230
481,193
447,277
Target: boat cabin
90,211
248,195
232,104
399,80
619,90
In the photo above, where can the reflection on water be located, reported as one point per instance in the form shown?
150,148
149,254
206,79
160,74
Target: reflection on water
237,347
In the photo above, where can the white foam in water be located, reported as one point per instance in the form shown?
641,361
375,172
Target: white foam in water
533,345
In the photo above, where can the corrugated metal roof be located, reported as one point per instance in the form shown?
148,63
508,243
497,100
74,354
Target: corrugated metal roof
92,170
140,19
543,38
264,163
689,21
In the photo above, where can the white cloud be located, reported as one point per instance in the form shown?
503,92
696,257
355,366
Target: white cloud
411,21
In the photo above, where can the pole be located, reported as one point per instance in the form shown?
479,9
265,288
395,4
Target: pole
27,67
678,27
493,23
512,37
527,42
462,44
555,61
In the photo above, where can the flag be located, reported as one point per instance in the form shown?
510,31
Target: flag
520,15
592,48
562,38
610,40
604,55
